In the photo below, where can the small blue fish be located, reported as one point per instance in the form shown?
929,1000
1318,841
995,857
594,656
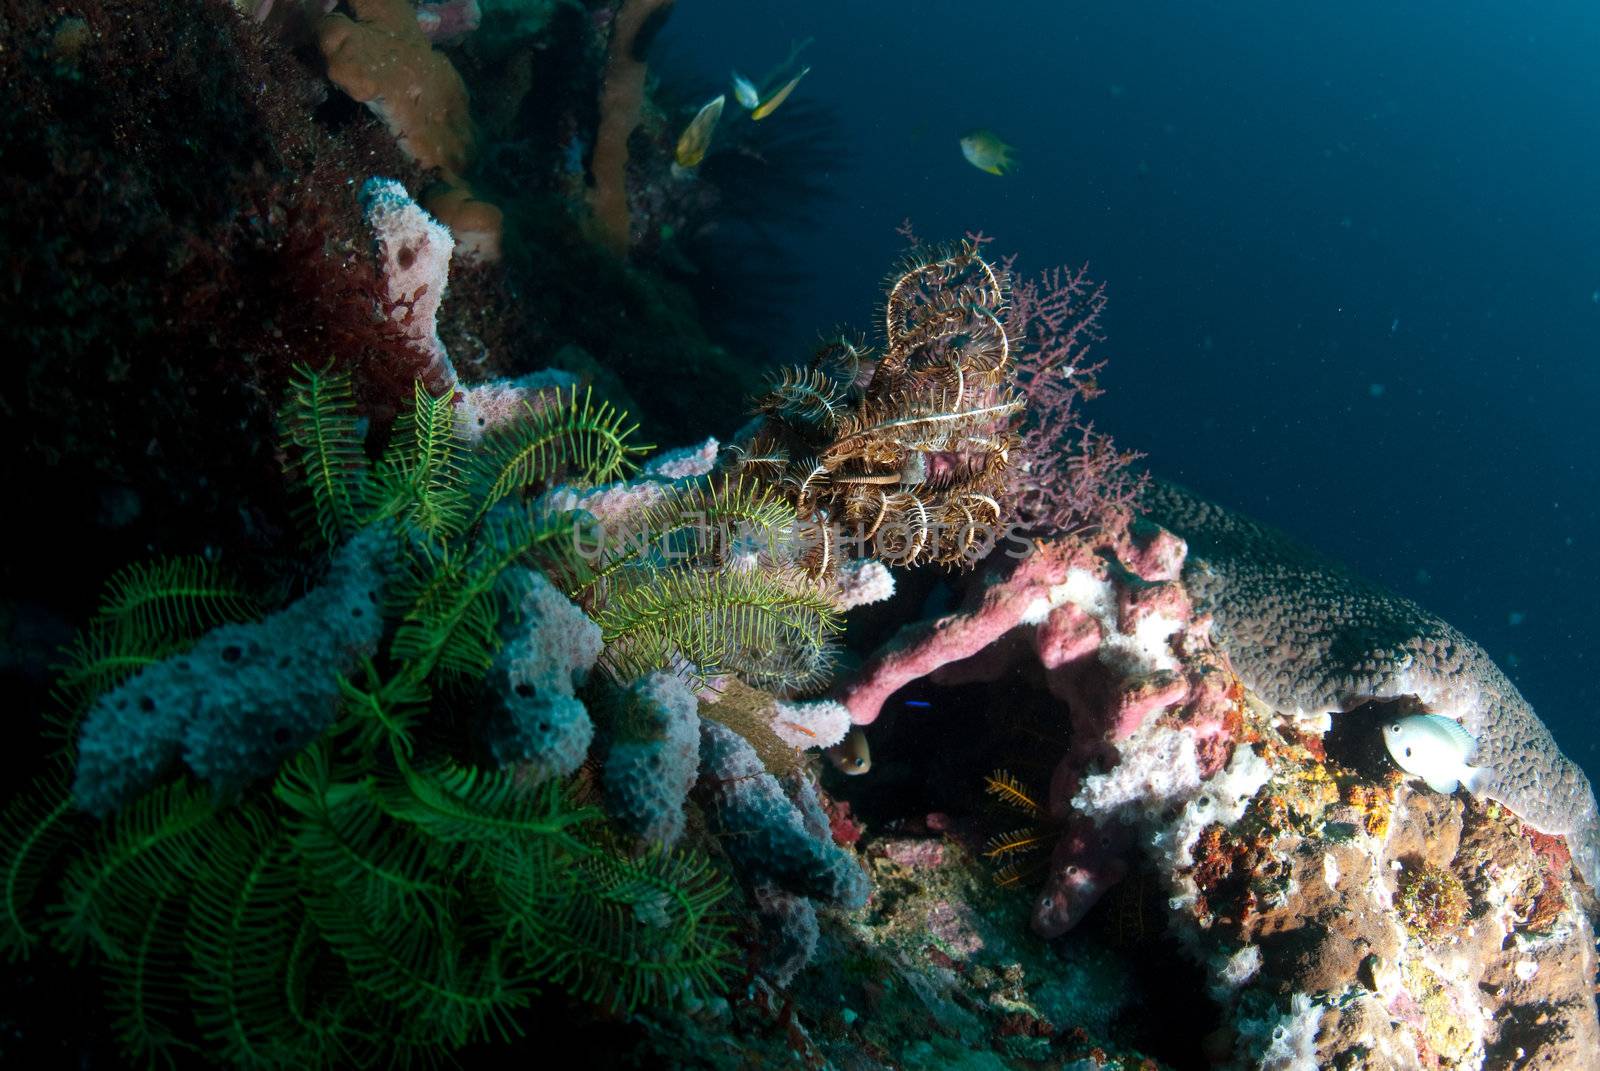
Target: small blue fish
745,92
919,704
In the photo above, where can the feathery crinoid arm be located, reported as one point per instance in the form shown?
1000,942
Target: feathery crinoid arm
913,463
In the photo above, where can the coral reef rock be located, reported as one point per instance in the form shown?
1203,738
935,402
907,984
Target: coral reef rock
1343,916
1311,639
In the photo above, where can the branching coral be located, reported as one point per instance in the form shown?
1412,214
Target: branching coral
903,452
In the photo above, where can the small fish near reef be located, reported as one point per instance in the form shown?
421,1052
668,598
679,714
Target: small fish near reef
986,152
696,137
745,92
770,105
1434,748
851,755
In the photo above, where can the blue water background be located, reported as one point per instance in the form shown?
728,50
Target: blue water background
1353,252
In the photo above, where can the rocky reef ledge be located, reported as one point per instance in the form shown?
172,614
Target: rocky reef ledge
1235,882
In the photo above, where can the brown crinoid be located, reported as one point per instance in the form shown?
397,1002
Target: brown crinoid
901,455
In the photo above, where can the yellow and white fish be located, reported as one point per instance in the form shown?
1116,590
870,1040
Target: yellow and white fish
696,137
770,105
745,92
1434,748
986,152
851,755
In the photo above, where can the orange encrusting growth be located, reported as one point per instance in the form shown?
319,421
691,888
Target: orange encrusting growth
382,58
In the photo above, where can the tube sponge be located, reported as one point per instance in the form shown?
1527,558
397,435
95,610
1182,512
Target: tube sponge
538,721
246,696
654,756
769,836
789,932
413,252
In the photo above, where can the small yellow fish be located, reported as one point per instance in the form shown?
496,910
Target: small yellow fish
745,92
986,152
696,138
771,104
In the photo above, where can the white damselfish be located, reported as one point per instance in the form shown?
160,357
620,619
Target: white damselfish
1434,748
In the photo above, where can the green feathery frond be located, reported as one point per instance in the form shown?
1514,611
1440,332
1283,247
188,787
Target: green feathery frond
150,850
452,609
800,663
519,839
587,442
435,970
322,437
149,612
36,826
713,620
177,599
379,714
694,524
99,659
422,477
346,842
640,930
465,804
146,991
244,918
453,599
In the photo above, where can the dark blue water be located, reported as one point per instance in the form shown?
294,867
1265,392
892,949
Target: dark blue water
1354,254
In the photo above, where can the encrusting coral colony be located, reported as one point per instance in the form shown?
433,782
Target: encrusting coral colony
441,712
